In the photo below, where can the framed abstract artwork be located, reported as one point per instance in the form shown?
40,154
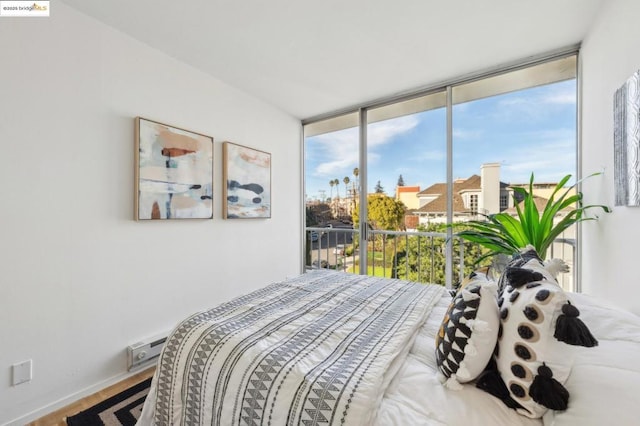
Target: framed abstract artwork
247,182
173,172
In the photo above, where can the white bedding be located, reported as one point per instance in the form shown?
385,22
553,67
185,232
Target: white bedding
604,383
416,397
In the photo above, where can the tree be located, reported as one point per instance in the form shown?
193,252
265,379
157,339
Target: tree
336,182
356,173
383,212
379,189
331,183
346,181
386,213
400,181
422,259
318,213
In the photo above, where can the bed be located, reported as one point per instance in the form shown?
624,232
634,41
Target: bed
335,348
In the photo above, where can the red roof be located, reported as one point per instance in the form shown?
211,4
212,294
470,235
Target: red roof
408,189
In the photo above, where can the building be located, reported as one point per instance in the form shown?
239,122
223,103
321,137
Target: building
477,194
408,195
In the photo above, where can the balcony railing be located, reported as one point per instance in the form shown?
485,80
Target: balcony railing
415,256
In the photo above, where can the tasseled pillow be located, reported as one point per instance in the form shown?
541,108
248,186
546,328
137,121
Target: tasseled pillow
532,359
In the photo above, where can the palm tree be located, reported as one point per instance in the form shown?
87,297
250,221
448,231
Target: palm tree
337,182
356,173
346,181
331,183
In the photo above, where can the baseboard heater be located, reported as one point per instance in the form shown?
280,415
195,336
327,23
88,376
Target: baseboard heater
143,353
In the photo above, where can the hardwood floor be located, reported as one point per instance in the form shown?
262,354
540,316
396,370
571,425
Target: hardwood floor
58,418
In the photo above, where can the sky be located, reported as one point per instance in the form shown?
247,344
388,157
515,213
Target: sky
532,130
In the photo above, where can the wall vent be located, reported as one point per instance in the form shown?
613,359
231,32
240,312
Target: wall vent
144,353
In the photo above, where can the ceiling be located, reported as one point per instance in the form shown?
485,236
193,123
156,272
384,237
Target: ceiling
314,57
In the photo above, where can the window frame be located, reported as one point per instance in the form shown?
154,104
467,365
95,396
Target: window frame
445,87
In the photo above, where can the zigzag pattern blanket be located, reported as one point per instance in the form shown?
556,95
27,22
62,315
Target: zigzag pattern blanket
316,349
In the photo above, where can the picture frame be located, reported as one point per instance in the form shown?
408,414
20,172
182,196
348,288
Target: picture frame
173,172
246,182
626,142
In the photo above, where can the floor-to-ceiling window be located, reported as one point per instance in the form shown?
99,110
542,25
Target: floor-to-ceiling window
332,187
510,125
383,182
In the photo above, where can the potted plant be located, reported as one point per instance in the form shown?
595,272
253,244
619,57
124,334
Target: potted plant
504,234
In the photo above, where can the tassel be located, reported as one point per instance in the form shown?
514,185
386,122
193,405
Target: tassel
453,384
470,349
463,373
517,277
547,391
491,382
467,296
556,266
571,330
479,325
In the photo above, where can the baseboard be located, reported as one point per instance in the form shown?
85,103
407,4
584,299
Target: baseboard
70,399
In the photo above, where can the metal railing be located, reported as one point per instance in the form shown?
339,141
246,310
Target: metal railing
415,256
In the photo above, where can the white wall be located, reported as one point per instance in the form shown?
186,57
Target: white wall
610,54
80,280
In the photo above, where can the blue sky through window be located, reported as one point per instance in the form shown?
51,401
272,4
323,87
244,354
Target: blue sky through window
532,130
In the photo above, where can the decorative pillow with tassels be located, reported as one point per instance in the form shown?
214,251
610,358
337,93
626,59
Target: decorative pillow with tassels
533,357
469,331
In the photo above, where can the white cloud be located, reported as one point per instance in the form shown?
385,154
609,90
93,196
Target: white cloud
338,151
466,134
383,132
337,166
550,158
429,156
534,107
514,101
562,98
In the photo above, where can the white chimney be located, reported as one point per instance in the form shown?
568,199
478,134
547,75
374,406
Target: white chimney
489,200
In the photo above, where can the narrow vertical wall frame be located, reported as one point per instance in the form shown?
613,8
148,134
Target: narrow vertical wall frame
173,172
247,182
626,139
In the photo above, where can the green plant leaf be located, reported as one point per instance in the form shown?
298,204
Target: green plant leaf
503,233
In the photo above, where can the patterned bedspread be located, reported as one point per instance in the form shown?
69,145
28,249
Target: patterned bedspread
312,350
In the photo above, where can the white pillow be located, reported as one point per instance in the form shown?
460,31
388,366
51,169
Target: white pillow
468,333
539,327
